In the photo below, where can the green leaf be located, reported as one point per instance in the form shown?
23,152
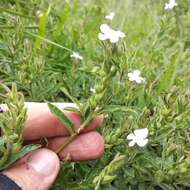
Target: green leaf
66,92
87,110
72,109
63,17
61,116
117,108
48,41
42,26
14,157
166,186
168,76
13,12
1,141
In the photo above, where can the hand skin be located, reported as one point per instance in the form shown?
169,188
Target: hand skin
39,169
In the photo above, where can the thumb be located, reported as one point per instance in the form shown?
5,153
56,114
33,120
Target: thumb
36,171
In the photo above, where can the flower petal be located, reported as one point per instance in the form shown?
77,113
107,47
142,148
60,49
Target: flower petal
102,37
114,39
142,142
93,90
139,80
113,36
132,143
80,57
110,16
166,6
120,34
104,28
136,72
130,75
130,136
141,133
172,2
131,79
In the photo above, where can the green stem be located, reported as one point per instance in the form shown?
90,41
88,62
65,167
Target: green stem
73,136
66,142
86,122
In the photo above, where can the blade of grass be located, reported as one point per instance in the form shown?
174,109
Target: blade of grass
48,41
42,26
168,76
2,9
74,100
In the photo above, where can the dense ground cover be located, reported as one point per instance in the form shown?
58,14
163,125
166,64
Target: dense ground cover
36,41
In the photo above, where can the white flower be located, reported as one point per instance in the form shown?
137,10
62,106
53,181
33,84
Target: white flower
110,16
39,13
106,116
139,137
76,55
93,90
109,34
170,5
135,76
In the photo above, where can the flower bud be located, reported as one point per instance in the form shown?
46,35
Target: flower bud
159,176
108,179
183,168
100,96
16,147
165,111
99,87
113,69
107,138
187,161
171,172
92,102
105,79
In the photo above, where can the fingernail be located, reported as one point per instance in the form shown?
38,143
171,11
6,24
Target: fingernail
42,163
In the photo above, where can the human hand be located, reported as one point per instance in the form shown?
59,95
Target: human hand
38,170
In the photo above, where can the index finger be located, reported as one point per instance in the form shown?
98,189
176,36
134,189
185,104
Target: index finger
42,123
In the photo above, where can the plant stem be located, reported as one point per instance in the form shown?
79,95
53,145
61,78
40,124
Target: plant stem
67,141
85,123
73,136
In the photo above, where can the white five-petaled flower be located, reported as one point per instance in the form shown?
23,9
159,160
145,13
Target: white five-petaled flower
76,55
170,5
139,137
135,76
109,34
110,16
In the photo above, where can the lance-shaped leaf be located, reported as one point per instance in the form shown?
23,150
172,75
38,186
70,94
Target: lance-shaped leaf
117,108
72,109
73,99
61,116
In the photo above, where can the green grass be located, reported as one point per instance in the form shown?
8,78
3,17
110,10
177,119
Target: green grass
35,53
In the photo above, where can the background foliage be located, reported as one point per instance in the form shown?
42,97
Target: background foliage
157,43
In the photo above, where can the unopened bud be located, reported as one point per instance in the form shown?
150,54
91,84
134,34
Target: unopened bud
183,168
92,102
99,87
108,179
16,147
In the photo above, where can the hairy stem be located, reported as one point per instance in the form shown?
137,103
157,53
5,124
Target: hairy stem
73,136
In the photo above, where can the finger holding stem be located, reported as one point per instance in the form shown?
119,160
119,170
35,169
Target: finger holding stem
74,135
